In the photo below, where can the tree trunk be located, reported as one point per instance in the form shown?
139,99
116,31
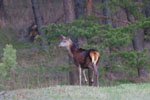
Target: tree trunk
147,10
69,17
141,72
73,76
36,13
106,12
89,7
38,21
138,42
147,13
80,6
2,14
69,10
2,10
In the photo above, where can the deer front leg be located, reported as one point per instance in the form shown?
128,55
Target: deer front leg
85,78
80,77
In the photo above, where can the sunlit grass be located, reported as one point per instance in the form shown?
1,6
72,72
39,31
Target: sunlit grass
121,92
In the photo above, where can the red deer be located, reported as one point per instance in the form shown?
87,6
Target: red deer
83,59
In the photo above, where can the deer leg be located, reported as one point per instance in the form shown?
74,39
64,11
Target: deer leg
90,74
96,73
85,78
80,77
92,80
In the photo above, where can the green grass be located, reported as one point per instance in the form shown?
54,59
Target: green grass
120,92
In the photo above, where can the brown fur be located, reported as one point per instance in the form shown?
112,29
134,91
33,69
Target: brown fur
33,32
83,57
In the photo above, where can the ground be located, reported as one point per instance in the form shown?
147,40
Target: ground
120,92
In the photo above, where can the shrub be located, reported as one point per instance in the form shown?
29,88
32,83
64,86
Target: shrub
8,61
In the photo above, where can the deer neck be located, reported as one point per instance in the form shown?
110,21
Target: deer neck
72,49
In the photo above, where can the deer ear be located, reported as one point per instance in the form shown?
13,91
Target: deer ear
63,37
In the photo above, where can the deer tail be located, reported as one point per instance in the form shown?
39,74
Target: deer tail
94,56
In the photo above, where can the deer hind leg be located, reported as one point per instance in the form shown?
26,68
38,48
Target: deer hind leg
91,75
92,80
96,74
84,74
80,75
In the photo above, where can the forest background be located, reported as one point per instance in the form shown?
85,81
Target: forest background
118,29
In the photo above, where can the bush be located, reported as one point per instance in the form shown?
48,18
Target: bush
8,61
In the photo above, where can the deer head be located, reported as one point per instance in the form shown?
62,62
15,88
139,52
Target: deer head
66,42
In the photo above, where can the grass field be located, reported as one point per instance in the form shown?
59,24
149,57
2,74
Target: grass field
120,92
